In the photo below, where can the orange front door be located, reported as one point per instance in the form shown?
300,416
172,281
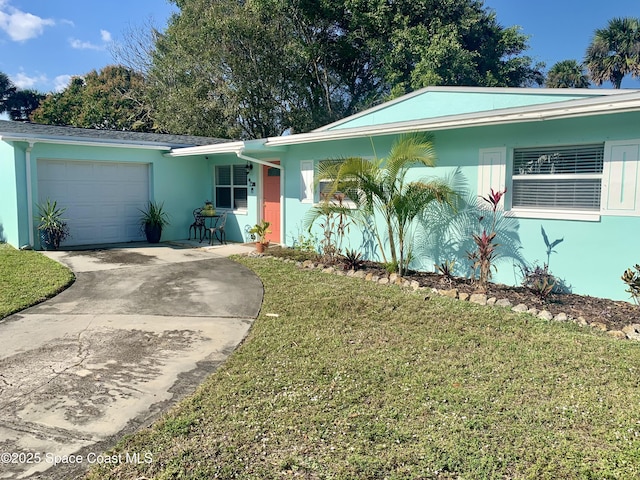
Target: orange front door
271,200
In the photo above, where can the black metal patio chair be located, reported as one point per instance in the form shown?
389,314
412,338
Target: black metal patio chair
198,225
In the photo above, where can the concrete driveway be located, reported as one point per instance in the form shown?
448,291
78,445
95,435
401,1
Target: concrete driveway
139,329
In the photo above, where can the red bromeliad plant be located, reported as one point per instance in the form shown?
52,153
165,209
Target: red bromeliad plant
493,199
485,252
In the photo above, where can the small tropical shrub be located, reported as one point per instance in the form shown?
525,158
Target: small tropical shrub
154,214
446,269
482,258
333,219
541,282
352,260
261,230
305,243
390,267
632,279
538,280
51,224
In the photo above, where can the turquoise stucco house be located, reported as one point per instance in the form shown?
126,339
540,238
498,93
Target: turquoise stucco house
569,160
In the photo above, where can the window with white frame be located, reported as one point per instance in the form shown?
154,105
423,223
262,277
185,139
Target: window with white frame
561,178
325,186
231,187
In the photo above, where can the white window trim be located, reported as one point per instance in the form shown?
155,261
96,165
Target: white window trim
240,211
522,212
556,214
350,204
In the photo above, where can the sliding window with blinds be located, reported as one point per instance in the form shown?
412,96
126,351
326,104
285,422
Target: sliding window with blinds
563,178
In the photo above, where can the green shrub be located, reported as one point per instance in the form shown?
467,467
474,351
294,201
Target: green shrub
632,279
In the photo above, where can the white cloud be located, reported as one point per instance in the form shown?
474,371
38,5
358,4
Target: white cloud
82,45
61,82
40,82
19,25
24,81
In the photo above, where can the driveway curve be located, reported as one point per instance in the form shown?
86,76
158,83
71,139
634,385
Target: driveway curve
139,329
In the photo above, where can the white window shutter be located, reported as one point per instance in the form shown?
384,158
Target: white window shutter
306,181
492,170
621,179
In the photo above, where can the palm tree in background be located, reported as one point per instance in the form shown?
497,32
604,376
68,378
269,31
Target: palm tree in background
567,74
7,89
614,52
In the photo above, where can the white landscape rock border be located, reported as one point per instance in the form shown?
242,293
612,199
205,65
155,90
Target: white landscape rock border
630,332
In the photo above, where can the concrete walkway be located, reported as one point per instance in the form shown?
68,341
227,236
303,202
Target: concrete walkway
140,328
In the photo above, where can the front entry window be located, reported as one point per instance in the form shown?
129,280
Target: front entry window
231,187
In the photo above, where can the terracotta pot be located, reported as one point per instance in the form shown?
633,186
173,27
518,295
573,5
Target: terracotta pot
260,247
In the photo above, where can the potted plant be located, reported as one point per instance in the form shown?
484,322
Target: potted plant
208,210
153,219
261,230
53,228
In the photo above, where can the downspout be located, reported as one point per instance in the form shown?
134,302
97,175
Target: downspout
29,191
279,166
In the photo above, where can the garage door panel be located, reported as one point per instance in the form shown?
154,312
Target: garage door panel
109,172
133,195
134,174
52,170
110,190
79,172
102,199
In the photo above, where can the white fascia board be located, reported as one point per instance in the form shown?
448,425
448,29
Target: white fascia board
589,93
84,143
216,148
234,148
620,103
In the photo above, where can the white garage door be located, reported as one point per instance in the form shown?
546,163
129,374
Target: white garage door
102,198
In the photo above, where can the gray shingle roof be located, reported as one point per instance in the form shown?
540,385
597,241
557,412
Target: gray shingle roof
37,131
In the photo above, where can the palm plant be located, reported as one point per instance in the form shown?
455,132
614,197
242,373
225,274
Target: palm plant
614,52
53,227
153,219
567,74
380,186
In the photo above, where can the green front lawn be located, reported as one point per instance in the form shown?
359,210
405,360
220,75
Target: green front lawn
28,277
345,379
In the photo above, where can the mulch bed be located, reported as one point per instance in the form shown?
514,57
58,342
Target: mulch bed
614,314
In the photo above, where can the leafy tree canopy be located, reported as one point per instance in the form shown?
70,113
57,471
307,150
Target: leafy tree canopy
108,99
22,103
255,68
7,89
16,102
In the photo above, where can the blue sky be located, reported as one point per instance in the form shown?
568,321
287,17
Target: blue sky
562,29
44,42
